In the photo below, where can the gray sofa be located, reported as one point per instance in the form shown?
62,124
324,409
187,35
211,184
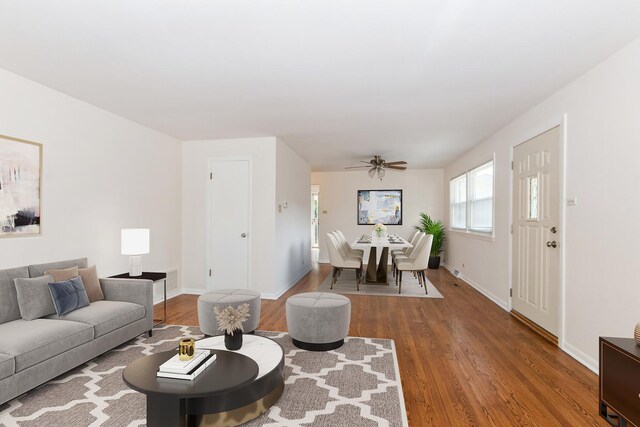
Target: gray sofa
36,351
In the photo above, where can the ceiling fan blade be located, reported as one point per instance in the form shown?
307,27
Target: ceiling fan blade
401,162
400,168
362,161
356,167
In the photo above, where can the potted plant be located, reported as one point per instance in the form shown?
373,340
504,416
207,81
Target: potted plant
435,228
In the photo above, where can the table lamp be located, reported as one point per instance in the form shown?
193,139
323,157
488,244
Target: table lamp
135,243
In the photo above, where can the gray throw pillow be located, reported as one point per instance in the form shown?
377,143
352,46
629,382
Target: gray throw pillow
68,295
34,298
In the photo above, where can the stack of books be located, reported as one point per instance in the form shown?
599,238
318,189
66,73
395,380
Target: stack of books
186,369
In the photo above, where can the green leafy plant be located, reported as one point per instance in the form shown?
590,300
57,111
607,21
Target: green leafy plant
436,228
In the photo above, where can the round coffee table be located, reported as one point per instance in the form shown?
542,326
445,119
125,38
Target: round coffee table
252,400
173,402
238,387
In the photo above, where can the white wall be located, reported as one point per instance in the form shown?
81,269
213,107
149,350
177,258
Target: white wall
293,239
422,192
195,158
101,173
601,242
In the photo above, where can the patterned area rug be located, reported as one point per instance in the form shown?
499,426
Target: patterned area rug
355,385
346,284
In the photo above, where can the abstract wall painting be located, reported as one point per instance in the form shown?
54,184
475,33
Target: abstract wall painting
380,206
20,187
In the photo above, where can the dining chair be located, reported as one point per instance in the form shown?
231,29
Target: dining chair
345,244
412,240
407,253
417,264
339,262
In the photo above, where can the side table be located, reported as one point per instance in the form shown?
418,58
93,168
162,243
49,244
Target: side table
154,277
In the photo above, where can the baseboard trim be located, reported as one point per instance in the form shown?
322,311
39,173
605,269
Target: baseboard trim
535,327
277,295
498,301
170,294
581,357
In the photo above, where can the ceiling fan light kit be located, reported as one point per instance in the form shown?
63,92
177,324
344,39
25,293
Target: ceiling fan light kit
378,166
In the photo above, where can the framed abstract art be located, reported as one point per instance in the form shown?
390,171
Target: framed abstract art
20,187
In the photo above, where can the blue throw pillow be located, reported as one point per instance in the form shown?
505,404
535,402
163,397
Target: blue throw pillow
68,295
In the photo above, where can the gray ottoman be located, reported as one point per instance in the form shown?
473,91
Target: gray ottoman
318,321
225,298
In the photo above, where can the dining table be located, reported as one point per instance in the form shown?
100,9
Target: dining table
377,267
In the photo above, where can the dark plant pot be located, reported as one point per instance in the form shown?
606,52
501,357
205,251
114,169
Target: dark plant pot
233,342
434,262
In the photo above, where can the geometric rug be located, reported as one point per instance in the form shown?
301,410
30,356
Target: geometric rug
346,284
357,384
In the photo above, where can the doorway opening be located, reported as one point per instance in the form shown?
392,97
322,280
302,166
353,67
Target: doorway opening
315,211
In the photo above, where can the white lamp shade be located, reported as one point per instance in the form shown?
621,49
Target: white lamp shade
135,241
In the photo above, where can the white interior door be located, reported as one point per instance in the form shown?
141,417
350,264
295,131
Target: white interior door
229,216
536,217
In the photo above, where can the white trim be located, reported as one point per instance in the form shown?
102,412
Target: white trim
276,295
210,161
541,128
324,261
403,407
489,237
505,305
581,357
171,293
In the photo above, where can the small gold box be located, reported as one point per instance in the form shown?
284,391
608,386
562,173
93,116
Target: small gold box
186,348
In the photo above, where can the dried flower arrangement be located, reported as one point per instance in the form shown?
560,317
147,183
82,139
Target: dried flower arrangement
230,319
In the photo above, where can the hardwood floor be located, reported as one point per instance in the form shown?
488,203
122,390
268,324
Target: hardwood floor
463,360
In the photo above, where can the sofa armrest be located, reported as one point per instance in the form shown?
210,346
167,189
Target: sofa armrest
139,291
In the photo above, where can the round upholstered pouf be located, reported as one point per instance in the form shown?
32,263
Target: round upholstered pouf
224,298
318,321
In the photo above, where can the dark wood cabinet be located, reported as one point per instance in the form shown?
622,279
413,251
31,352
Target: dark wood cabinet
620,381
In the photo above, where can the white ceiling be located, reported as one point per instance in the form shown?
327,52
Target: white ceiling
339,80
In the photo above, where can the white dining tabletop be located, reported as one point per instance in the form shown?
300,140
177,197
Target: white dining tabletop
394,242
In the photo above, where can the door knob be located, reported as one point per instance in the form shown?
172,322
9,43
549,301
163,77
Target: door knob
243,235
554,230
552,244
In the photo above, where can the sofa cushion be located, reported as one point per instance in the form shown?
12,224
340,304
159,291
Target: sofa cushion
63,274
7,366
33,342
9,309
68,295
91,283
37,270
34,298
106,316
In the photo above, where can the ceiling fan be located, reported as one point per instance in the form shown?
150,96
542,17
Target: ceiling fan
378,165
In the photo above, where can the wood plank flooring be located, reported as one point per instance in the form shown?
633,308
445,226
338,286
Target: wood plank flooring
463,360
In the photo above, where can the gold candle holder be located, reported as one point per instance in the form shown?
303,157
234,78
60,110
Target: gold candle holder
186,348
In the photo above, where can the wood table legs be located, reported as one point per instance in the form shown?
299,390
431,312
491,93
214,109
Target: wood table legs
377,273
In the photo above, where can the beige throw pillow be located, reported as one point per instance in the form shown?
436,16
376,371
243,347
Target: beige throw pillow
91,283
63,274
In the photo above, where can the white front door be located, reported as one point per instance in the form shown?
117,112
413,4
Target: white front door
229,204
536,217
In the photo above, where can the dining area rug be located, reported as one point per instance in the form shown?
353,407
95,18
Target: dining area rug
357,384
346,284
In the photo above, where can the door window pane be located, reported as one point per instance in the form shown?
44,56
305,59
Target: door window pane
533,197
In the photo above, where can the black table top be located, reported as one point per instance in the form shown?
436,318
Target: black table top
146,275
229,372
626,344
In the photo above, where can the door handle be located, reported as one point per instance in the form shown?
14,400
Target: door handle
243,235
554,230
553,244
